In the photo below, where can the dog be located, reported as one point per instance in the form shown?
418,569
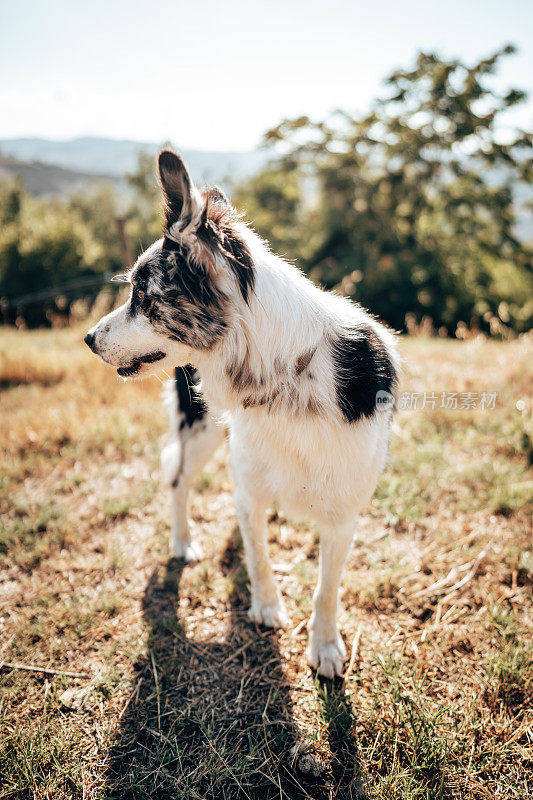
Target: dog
305,381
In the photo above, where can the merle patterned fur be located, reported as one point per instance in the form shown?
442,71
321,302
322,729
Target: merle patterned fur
178,295
179,298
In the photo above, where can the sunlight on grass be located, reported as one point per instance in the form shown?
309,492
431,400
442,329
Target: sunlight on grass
184,697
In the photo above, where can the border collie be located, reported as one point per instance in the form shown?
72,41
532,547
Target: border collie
304,380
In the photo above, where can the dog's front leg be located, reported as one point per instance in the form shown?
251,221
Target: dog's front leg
267,605
326,651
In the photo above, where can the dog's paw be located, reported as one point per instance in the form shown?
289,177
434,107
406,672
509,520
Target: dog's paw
188,551
327,657
272,615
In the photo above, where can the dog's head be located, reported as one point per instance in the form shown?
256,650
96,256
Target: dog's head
185,287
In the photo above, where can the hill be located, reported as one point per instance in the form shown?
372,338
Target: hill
118,156
47,179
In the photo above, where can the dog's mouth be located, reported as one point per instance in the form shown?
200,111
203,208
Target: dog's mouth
135,366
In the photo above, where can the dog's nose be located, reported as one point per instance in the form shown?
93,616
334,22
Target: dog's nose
89,340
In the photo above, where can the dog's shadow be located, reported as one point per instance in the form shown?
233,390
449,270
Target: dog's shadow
208,717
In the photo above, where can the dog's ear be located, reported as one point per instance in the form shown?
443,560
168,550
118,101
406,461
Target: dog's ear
217,195
183,202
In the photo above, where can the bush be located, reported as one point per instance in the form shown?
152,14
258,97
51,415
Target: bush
45,245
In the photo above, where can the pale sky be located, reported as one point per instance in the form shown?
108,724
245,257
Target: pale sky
216,75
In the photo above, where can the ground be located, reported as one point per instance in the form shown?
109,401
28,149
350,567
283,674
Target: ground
178,695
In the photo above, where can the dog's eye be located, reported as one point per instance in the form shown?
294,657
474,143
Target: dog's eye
139,293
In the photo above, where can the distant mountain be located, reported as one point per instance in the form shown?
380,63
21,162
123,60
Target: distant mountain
46,179
118,156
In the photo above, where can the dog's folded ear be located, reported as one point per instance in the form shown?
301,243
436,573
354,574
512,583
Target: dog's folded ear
183,202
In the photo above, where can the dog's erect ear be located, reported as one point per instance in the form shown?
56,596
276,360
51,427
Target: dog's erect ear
218,195
183,202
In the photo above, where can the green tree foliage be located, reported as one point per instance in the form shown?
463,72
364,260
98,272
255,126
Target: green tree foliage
98,208
144,217
412,208
274,200
49,243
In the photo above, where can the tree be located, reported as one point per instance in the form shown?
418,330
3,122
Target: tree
274,203
144,215
416,201
47,244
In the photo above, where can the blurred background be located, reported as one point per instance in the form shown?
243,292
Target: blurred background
386,149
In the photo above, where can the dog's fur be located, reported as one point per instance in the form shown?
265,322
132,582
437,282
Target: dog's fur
297,374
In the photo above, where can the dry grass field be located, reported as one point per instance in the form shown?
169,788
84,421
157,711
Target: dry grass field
154,683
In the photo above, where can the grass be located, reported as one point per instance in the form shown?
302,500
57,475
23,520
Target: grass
38,760
184,698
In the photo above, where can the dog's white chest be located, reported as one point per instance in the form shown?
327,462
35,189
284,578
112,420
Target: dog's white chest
308,466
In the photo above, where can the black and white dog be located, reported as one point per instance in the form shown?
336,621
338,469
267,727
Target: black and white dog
303,379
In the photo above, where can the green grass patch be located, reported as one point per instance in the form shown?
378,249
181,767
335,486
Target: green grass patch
39,763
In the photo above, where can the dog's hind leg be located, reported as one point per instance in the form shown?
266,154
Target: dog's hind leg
195,438
326,651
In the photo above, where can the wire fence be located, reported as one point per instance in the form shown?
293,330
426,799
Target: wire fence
54,291
57,305
25,300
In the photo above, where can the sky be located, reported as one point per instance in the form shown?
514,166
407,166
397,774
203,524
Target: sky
216,75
